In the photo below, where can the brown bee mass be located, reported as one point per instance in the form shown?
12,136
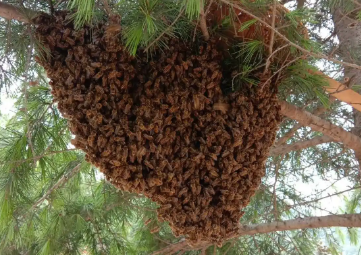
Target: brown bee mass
160,125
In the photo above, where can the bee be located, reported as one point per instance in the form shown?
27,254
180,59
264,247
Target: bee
182,191
106,153
166,206
213,172
186,200
148,164
115,163
147,221
155,230
167,68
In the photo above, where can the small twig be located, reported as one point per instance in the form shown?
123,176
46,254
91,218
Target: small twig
196,26
279,70
51,6
277,167
36,158
172,248
268,62
107,8
230,246
27,65
165,31
203,21
272,38
58,184
328,196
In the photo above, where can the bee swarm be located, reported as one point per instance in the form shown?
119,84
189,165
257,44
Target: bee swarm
161,126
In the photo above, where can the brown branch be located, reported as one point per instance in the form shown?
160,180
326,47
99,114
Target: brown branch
311,53
172,248
336,133
300,4
40,156
275,210
287,148
340,220
270,49
64,179
107,8
319,111
203,21
288,135
10,12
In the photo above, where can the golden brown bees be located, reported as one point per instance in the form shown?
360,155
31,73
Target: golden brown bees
163,127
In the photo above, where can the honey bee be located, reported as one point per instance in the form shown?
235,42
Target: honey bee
186,200
182,191
155,230
213,172
106,153
147,221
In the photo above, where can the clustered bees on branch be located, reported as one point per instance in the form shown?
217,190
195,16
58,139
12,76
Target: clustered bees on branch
161,126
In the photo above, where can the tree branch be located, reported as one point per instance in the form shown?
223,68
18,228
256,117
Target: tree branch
284,149
318,112
336,133
57,185
10,12
203,22
341,220
311,53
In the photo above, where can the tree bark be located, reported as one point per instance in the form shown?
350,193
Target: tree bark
286,148
338,134
348,31
341,220
10,12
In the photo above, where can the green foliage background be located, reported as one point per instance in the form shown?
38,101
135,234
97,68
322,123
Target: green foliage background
85,213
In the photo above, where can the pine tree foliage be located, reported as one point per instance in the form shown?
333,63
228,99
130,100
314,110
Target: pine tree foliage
54,202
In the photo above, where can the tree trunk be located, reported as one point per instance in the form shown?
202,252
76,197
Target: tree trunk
348,31
11,12
336,133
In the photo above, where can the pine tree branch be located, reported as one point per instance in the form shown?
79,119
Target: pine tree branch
173,248
165,31
64,179
36,158
203,21
340,220
272,38
11,12
309,52
275,210
328,196
318,112
287,136
287,148
336,133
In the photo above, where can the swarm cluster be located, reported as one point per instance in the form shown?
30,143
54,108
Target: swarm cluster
159,125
